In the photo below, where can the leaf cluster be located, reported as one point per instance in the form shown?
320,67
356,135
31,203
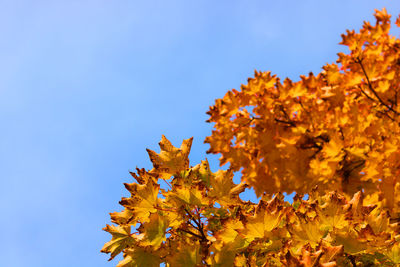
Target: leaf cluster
334,136
200,220
338,129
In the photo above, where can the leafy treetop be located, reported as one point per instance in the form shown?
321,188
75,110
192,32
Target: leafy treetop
338,129
334,136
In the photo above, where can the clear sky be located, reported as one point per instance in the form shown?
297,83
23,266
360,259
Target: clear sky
87,86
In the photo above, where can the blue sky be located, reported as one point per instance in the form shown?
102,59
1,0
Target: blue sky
87,86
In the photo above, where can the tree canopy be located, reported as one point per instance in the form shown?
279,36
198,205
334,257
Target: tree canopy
333,137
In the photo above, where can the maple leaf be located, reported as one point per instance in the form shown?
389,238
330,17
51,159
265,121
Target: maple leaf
331,213
143,201
356,210
170,160
330,254
154,231
350,242
307,230
267,217
223,188
138,257
142,176
230,230
394,253
332,74
203,172
121,238
224,255
187,195
185,255
240,261
123,217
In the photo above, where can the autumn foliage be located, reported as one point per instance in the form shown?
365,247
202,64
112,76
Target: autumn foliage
334,137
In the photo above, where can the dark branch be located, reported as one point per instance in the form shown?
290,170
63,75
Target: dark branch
364,93
190,232
291,123
372,89
199,225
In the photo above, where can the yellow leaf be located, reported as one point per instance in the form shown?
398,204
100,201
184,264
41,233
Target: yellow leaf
267,217
223,189
230,230
154,230
383,86
332,73
241,261
332,212
143,200
138,257
394,253
187,195
185,255
123,217
350,242
121,238
297,90
306,230
330,254
170,160
224,255
332,150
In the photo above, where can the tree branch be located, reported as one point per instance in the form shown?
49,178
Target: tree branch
199,224
359,61
190,232
291,123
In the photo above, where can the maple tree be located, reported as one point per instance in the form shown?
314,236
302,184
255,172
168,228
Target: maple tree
334,136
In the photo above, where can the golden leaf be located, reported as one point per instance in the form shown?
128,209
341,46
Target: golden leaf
170,160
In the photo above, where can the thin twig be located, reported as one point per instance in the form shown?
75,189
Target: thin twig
385,114
291,123
341,132
372,89
190,232
200,225
167,183
364,93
